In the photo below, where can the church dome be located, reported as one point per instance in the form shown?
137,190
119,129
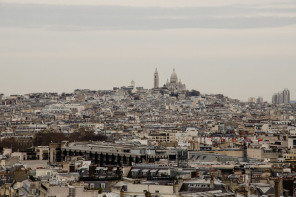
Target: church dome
174,77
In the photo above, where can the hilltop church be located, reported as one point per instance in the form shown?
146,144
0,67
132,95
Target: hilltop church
174,85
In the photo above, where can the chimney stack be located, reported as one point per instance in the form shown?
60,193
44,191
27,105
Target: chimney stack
212,183
278,187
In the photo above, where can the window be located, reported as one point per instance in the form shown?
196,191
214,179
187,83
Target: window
103,185
91,186
294,143
72,192
156,191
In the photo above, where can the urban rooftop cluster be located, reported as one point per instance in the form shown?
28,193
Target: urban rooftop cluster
134,142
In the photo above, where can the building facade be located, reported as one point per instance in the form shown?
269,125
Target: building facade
175,85
281,97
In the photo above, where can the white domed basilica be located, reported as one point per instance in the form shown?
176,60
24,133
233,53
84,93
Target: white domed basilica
174,85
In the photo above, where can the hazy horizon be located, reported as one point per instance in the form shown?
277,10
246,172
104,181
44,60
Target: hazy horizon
236,48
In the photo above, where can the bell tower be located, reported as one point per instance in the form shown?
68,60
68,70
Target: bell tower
156,79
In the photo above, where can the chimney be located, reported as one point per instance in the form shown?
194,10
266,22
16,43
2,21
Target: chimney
147,194
278,187
212,183
92,170
121,192
72,168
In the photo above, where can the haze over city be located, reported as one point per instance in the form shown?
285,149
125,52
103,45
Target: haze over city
147,98
237,48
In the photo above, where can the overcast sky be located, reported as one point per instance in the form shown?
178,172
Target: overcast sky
235,47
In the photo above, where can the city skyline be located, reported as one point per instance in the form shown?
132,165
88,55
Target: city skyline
163,78
147,98
99,45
